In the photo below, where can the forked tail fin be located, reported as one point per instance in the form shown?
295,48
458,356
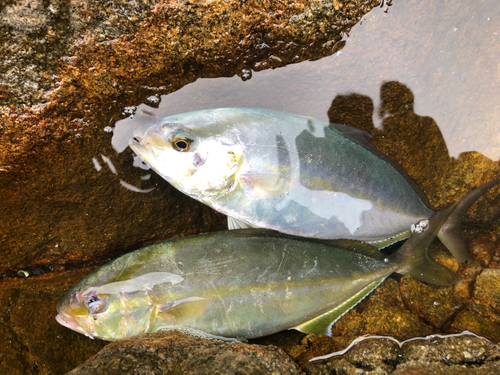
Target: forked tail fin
449,234
414,257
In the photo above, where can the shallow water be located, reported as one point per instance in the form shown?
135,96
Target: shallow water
60,214
445,55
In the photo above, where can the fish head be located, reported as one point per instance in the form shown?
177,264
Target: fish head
108,316
191,152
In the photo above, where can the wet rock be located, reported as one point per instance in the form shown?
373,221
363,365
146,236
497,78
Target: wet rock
448,355
174,352
472,321
487,289
383,319
68,72
463,290
433,304
486,249
372,318
388,292
376,356
94,53
32,340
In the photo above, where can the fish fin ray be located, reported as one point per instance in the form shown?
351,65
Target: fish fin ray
450,234
233,224
382,244
321,325
196,333
414,257
183,311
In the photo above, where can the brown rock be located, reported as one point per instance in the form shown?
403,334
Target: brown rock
472,321
174,352
487,288
388,292
433,304
374,356
32,340
383,319
463,290
448,355
486,249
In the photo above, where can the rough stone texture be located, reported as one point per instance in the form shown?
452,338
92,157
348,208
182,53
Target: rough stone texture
174,352
60,53
68,69
78,65
487,289
32,340
450,355
431,303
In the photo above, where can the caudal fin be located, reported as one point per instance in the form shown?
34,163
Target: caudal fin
450,234
414,256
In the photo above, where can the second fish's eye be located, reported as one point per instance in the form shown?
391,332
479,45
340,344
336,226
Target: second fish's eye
181,144
95,304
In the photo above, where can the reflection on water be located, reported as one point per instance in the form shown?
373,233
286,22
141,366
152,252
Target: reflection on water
444,54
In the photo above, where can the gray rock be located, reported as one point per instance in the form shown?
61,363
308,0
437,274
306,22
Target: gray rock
176,353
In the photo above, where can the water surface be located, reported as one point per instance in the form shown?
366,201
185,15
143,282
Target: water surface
445,53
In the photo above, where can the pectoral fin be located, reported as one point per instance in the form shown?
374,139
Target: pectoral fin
184,311
233,224
264,184
322,324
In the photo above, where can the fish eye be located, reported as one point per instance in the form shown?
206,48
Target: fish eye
95,304
181,144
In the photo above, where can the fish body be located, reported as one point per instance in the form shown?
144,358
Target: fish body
246,283
280,171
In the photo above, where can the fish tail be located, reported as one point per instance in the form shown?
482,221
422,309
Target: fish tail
414,257
450,234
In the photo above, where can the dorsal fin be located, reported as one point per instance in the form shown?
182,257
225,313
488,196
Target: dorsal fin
322,324
364,142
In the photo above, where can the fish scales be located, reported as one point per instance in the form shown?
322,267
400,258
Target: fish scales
246,283
291,173
230,279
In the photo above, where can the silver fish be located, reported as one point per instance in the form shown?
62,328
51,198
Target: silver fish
290,173
244,283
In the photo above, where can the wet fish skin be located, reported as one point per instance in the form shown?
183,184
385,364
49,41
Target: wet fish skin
290,173
244,283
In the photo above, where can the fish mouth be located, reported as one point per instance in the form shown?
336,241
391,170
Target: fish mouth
68,322
145,140
136,146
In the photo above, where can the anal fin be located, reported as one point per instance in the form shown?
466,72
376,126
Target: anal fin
200,334
322,324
